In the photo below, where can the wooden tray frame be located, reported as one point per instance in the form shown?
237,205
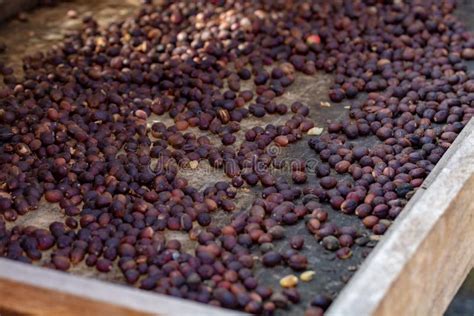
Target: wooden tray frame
415,270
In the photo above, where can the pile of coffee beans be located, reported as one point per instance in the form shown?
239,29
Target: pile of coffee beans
82,130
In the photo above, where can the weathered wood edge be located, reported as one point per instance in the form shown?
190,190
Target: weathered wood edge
28,289
424,257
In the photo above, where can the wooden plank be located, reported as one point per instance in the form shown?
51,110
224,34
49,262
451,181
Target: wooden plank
27,289
423,259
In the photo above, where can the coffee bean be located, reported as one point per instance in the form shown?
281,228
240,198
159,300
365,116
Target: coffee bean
297,242
85,143
298,262
271,259
330,243
61,263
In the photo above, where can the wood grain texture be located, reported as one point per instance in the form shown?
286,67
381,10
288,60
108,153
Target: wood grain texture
26,289
421,262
